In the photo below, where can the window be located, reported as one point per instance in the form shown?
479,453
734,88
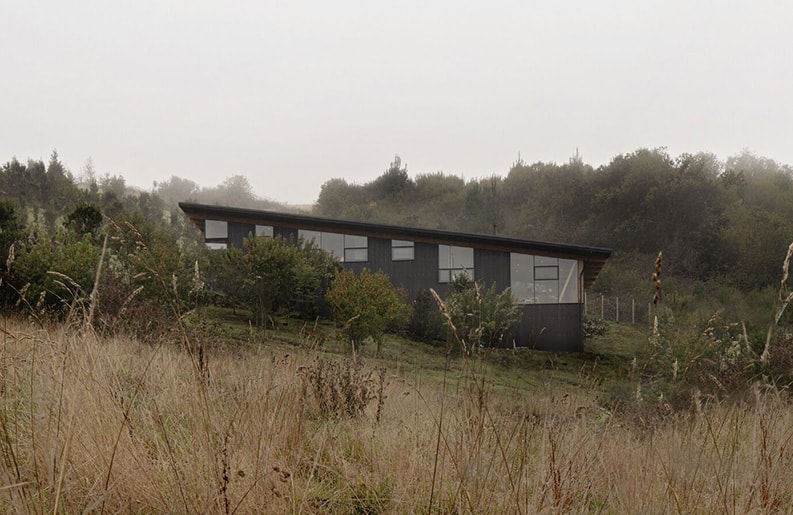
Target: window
310,236
522,277
546,280
356,249
333,244
568,280
453,261
402,250
264,230
343,247
214,229
216,234
543,280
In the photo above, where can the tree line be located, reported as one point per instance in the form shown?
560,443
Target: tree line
730,220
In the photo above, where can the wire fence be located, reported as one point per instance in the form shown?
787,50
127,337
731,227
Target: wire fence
622,310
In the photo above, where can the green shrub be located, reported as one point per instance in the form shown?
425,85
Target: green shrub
55,275
366,306
427,323
482,316
273,275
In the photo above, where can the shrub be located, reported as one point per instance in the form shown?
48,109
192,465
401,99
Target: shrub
53,274
427,323
482,316
366,306
343,389
274,274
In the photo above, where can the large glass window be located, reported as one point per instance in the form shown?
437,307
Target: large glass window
543,280
343,247
356,248
568,280
453,261
546,280
402,250
333,244
310,236
522,277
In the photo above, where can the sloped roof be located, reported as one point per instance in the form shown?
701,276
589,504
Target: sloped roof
594,257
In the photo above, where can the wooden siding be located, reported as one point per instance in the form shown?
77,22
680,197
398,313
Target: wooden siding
492,267
238,233
552,327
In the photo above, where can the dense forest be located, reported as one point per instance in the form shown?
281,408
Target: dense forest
716,222
731,221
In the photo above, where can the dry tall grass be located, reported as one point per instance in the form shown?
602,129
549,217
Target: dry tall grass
89,424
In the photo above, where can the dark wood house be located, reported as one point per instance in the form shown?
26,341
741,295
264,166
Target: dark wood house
547,279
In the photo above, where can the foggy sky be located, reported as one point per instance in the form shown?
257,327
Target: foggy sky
291,94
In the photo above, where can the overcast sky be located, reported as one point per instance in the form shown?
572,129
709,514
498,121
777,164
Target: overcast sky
291,94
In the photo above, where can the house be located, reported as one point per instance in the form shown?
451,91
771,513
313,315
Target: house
547,279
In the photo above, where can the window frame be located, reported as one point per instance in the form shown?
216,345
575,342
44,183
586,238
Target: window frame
449,271
400,245
356,251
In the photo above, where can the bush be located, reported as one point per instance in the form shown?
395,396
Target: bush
427,323
481,316
366,306
55,275
274,274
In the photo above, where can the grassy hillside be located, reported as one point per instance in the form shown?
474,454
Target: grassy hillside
283,424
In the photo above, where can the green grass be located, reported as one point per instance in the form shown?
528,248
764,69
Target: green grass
605,362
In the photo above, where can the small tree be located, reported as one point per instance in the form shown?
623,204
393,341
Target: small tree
366,306
276,274
85,219
482,316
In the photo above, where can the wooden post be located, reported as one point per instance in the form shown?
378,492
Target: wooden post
633,311
618,310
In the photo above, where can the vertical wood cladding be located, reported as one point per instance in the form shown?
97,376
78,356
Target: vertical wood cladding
238,232
492,267
554,327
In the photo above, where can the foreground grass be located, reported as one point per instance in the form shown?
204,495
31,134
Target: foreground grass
90,424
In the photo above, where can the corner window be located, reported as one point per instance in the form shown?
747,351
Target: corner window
453,261
568,280
543,280
402,250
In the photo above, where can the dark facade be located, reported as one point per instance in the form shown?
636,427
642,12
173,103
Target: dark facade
547,279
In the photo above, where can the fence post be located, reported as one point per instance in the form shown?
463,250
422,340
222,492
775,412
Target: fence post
633,311
618,310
